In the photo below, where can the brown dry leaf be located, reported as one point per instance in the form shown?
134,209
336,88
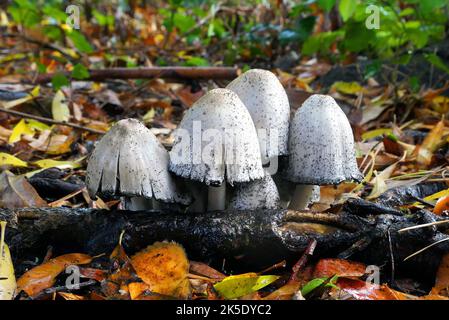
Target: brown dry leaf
164,267
442,279
44,275
343,268
17,192
71,296
431,143
203,269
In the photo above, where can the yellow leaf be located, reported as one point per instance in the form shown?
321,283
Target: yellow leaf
50,163
239,285
19,129
379,182
37,125
7,278
7,159
149,116
375,133
347,87
59,108
432,142
33,94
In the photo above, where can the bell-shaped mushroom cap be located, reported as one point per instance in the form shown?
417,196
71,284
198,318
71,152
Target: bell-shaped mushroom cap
130,161
321,144
258,194
267,102
216,141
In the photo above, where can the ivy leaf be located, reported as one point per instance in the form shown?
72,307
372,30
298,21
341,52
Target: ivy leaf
80,72
347,8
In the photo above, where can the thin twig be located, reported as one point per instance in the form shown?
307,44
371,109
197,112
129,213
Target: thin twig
50,121
425,248
423,225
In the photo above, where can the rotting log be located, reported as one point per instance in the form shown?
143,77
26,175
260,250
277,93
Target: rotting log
171,73
257,238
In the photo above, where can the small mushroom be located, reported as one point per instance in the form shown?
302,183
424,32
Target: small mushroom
254,195
267,102
216,143
130,162
321,147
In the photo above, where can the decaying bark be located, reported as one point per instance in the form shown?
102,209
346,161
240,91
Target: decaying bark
257,238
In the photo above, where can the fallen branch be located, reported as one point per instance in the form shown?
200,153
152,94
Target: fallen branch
176,73
50,121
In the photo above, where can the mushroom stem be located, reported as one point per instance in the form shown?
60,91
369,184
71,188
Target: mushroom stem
216,197
304,194
137,203
199,203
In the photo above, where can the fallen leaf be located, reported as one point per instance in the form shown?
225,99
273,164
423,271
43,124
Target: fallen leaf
21,128
17,192
361,290
10,104
441,206
351,88
431,143
442,278
71,296
50,163
239,285
9,160
339,267
59,108
7,278
164,267
44,275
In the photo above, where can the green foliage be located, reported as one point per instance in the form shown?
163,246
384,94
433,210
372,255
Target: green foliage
59,80
80,72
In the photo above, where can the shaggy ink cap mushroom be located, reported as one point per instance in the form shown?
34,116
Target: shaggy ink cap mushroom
267,102
216,142
254,195
321,144
130,161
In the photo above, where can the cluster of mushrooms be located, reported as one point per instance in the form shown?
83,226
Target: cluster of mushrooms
226,153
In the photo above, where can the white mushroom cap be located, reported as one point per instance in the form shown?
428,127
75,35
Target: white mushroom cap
216,141
258,194
267,102
130,161
321,144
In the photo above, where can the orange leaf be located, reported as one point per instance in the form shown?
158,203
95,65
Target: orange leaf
326,268
441,205
43,276
431,143
361,290
164,267
442,279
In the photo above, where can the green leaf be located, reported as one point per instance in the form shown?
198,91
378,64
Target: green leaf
80,72
183,22
80,42
318,282
326,5
196,62
437,62
236,286
59,108
347,8
59,80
